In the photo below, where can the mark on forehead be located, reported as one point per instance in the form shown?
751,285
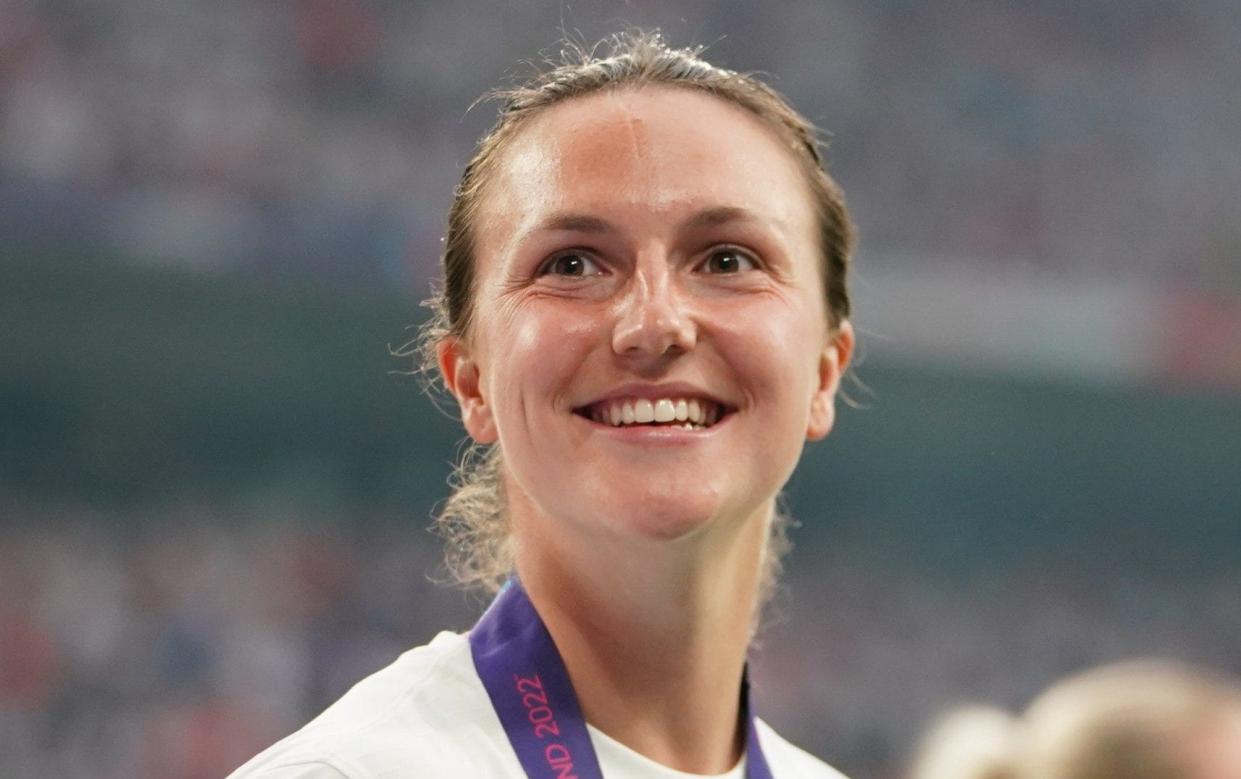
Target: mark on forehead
629,121
636,132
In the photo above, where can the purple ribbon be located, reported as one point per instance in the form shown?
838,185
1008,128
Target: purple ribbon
520,667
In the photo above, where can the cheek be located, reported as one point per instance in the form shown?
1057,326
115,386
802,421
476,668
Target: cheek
777,344
535,351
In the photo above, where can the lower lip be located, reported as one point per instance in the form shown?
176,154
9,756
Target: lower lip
654,435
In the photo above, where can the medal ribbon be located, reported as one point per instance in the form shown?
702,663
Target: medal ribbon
529,687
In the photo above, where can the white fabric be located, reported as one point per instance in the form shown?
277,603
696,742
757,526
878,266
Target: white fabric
620,762
428,716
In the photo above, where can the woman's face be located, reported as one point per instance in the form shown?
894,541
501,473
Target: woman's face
645,254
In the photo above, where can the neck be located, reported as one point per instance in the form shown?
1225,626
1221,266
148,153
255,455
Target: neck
653,633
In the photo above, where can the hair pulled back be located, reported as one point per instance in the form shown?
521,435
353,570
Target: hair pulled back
473,520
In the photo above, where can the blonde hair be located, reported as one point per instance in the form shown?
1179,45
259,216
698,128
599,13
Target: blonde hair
1124,721
975,742
473,520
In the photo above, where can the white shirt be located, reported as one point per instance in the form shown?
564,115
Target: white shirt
620,762
428,716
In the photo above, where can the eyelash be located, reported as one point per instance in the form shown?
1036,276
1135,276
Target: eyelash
548,266
733,250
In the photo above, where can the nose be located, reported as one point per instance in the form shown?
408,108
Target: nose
652,318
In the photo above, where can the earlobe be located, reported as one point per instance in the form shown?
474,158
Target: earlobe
463,379
833,362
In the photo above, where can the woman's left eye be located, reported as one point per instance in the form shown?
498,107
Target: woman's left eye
728,261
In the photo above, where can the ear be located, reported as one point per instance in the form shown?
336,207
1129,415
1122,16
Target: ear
833,362
463,379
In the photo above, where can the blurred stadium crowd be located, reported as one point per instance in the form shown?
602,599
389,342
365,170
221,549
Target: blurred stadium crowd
322,137
181,650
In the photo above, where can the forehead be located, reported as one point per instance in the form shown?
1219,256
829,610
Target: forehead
649,150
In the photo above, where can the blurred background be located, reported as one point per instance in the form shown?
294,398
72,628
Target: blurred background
215,481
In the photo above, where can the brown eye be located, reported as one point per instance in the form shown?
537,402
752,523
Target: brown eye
572,264
728,261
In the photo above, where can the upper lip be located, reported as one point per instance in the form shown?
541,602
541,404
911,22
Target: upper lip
671,390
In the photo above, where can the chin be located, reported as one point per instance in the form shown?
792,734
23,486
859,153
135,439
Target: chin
663,515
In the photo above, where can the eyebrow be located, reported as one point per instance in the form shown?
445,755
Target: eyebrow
722,215
584,223
578,223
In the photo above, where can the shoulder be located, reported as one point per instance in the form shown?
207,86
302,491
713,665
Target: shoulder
425,715
792,762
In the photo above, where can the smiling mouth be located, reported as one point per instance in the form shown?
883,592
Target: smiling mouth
684,413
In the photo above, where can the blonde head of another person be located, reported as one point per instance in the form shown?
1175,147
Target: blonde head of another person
1132,720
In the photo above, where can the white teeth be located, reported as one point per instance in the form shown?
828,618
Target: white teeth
686,413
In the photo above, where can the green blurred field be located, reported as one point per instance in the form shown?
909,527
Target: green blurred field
125,386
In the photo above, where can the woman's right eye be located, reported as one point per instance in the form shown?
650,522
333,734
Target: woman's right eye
571,264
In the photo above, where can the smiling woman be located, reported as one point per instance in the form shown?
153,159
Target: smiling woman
645,311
